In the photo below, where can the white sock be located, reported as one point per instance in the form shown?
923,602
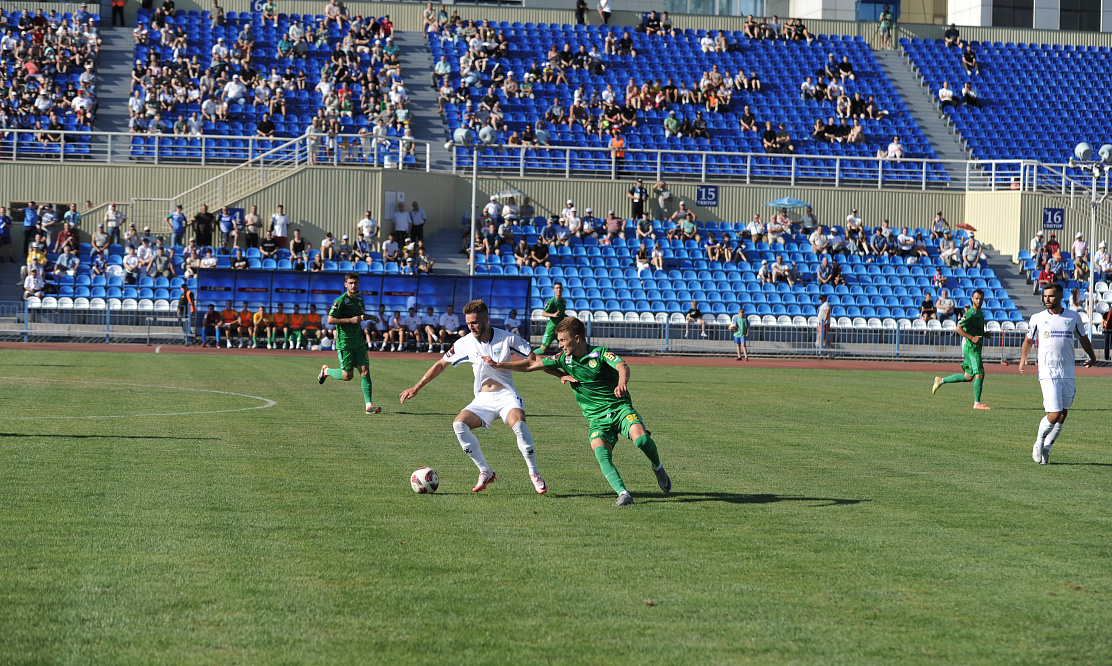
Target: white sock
470,445
1044,429
525,445
1052,436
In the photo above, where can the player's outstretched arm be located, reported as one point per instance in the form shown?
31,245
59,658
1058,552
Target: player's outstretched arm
524,365
430,374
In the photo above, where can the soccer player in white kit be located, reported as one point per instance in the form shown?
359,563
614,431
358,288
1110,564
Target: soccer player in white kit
1054,329
495,395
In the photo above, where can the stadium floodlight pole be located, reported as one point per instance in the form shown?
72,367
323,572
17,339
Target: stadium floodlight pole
1083,158
474,204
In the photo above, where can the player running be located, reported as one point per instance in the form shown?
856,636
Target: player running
495,395
972,328
599,380
554,311
346,314
1054,328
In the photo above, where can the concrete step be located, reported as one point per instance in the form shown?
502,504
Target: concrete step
427,125
114,78
946,143
444,247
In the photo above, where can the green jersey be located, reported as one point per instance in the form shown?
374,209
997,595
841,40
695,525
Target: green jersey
557,306
348,335
973,323
742,326
596,377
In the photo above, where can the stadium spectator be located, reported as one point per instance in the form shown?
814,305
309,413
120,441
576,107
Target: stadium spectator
203,224
764,273
658,257
1080,246
132,266
268,248
969,96
1045,279
402,221
538,255
895,149
952,37
1081,270
67,237
161,264
780,271
238,261
694,316
823,327
6,234
927,310
208,260
948,251
971,253
969,61
820,242
67,263
945,95
1036,245
391,251
368,226
113,220
521,253
945,306
1102,261
423,262
279,226
885,27
829,272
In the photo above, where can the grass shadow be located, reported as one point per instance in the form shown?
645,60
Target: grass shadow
729,498
183,439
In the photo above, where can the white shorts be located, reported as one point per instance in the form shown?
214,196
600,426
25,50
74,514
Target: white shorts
1057,393
489,405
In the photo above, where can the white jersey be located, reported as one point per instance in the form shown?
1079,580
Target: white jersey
1054,335
501,346
412,322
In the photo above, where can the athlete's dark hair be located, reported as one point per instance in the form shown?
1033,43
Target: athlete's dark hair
351,276
978,291
572,327
476,306
1056,286
558,284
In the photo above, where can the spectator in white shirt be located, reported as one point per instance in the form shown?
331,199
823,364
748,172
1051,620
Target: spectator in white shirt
402,220
945,95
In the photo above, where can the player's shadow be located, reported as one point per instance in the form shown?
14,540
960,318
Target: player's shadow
1083,464
183,439
729,498
454,414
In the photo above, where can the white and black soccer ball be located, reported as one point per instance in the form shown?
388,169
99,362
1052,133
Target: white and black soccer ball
424,480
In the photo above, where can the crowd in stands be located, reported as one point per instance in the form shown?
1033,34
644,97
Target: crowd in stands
48,72
658,88
334,76
1047,261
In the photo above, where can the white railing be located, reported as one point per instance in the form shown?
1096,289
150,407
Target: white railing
205,150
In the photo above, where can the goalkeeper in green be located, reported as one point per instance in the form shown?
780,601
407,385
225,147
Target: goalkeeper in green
599,378
346,314
971,326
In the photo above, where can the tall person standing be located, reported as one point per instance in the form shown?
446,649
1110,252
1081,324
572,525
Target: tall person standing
971,328
347,315
1054,328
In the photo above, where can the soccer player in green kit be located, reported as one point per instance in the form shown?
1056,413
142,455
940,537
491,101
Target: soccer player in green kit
599,378
346,314
554,311
972,328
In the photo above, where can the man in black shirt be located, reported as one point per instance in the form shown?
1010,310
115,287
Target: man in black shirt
582,59
699,126
652,23
969,61
952,36
239,261
748,120
269,247
489,100
845,69
694,315
637,195
768,138
538,255
203,224
625,45
265,127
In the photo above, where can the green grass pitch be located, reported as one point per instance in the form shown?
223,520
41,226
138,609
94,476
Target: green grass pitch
817,517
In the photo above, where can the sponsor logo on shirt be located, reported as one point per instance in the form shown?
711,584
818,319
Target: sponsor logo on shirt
593,363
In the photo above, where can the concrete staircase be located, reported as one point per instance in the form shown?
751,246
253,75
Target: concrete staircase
416,61
114,78
444,248
947,145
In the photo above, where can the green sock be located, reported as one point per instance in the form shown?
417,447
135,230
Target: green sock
270,339
608,470
254,341
977,384
297,339
953,379
365,380
334,373
648,447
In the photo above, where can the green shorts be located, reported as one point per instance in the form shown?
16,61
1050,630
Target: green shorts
609,426
972,364
352,358
549,334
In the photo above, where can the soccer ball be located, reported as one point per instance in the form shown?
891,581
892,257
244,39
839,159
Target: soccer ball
424,480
